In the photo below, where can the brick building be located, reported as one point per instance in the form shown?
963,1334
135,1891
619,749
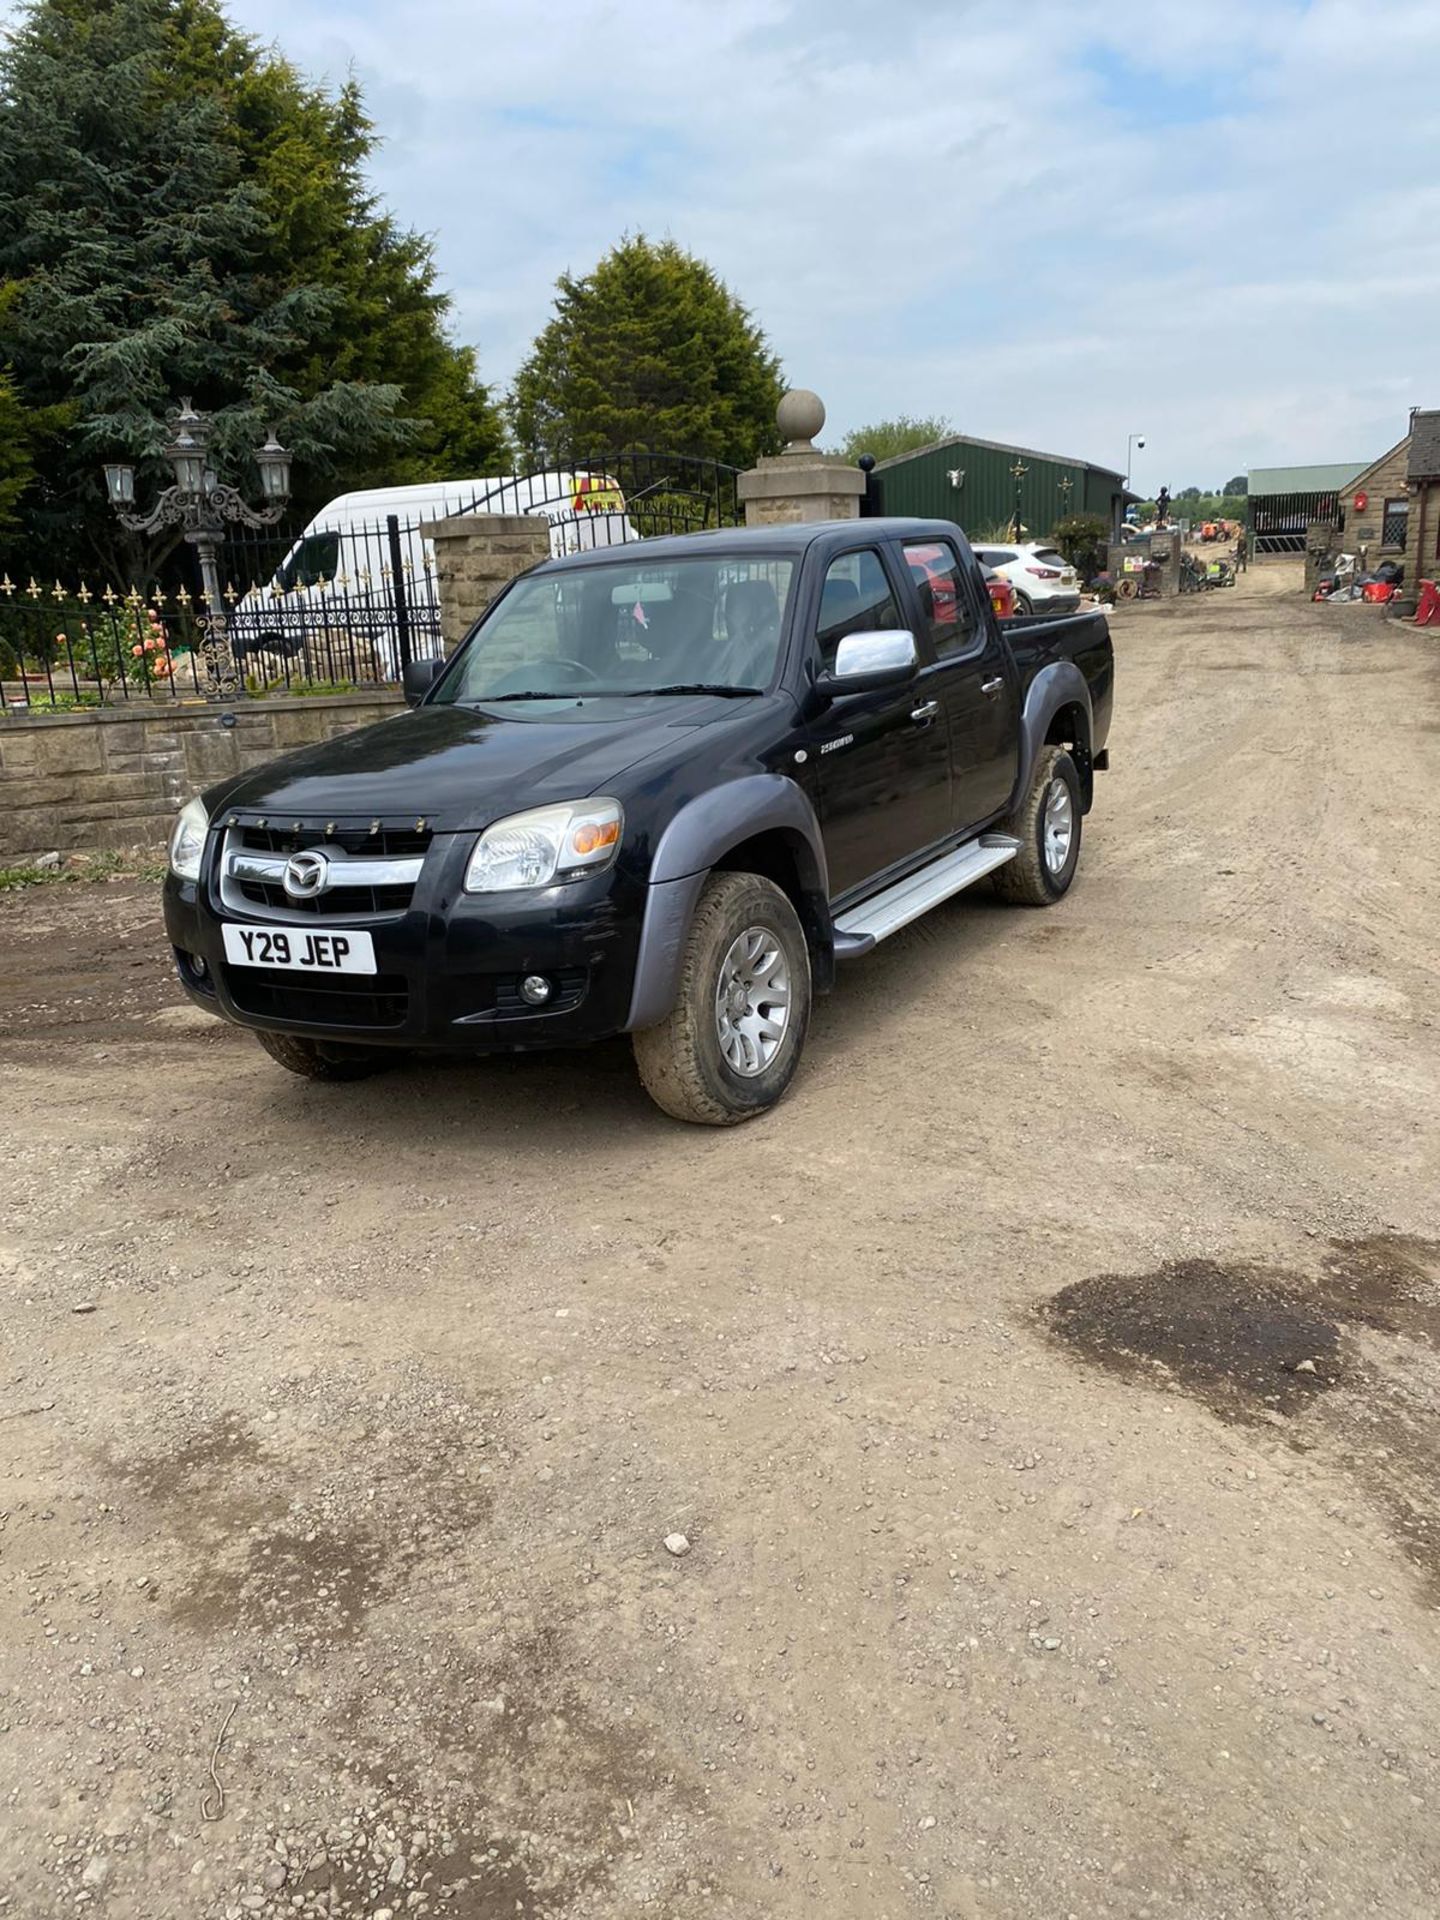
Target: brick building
1400,517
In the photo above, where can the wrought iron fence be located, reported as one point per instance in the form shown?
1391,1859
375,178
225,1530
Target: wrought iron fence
326,607
297,629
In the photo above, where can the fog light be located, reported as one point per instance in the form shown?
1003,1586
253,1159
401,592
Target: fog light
198,966
535,989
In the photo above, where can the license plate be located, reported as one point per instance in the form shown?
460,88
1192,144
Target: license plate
297,950
1067,579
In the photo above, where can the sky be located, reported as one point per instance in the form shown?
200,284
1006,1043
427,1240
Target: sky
1054,222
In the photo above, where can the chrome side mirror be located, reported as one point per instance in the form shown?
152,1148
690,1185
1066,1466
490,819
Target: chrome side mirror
868,662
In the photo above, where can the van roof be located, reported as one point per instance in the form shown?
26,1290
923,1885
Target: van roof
540,489
419,494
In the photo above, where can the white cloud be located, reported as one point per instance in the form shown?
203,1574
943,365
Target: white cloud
1056,221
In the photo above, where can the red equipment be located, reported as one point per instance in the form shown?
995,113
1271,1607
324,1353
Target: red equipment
1427,614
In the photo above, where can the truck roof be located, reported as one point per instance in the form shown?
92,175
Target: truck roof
789,538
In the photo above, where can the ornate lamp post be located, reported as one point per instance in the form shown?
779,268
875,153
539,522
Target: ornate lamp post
1017,474
200,504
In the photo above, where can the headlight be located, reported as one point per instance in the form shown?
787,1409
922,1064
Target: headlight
187,840
536,849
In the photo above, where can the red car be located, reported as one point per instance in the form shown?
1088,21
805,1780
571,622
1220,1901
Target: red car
935,568
1002,594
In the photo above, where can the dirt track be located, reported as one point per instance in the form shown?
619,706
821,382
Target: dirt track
1033,1571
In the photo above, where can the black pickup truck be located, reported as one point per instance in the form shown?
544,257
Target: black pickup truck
662,789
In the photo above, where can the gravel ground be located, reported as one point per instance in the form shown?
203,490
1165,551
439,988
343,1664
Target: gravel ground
1046,1397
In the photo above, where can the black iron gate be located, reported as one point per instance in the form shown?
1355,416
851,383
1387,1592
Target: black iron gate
605,499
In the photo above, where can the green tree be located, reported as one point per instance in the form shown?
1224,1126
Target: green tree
1239,485
17,466
649,350
180,213
903,434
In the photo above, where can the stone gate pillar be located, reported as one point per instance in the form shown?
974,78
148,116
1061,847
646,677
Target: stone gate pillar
800,483
476,554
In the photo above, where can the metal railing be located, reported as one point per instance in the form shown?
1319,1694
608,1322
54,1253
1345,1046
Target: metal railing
299,630
317,609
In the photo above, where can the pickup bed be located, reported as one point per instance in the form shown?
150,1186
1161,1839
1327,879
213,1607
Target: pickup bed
662,789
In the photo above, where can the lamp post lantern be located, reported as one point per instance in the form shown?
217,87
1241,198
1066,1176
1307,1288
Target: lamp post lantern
201,504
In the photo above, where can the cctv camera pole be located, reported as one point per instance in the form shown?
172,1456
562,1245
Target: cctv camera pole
1135,440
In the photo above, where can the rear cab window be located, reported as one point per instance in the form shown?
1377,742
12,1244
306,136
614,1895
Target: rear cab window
940,583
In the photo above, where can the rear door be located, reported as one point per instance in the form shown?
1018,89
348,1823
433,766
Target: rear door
974,675
884,758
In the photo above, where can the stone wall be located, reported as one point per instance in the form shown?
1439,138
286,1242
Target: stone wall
1422,538
476,555
113,779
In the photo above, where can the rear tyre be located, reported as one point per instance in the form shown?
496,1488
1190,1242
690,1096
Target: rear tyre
1047,825
1023,606
314,1061
731,1044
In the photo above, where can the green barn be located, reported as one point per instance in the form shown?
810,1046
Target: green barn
975,482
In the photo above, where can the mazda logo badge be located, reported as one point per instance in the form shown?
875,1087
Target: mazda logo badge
306,874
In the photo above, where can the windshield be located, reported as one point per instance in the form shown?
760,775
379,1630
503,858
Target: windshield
707,623
316,558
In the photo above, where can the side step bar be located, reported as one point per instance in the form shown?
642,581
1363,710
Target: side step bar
858,929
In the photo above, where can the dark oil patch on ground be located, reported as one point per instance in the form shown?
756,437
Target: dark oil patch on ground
1238,1337
1233,1336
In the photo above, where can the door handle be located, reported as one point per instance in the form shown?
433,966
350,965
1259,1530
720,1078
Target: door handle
925,712
992,687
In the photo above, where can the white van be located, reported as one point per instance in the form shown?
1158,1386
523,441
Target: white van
332,597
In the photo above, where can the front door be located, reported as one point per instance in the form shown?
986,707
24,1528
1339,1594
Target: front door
884,773
976,679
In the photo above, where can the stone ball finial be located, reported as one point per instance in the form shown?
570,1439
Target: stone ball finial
800,416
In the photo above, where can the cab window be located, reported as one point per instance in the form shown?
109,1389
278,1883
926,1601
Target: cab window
855,598
316,558
949,618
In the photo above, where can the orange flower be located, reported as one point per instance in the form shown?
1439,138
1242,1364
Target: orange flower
137,651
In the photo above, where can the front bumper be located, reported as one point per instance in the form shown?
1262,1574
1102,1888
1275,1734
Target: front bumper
448,966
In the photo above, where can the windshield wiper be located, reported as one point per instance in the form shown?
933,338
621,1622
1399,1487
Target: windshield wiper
492,699
697,686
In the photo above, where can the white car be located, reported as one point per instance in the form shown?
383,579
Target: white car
1044,580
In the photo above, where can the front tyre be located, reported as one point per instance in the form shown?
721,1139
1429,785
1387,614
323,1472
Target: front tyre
1047,825
313,1061
731,1044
